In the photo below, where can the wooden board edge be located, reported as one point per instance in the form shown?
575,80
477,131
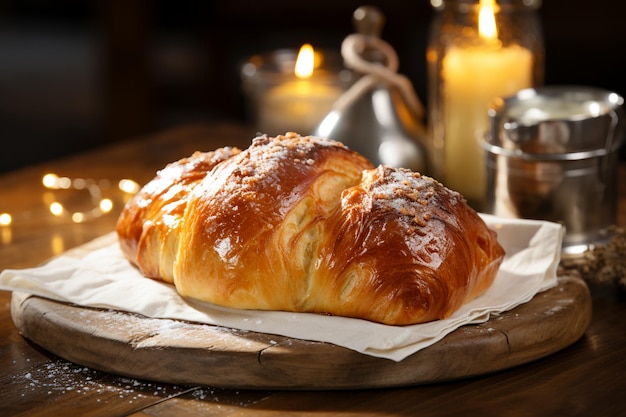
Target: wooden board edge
259,361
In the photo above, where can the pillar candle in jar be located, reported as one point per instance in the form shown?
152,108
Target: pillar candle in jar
299,103
298,106
472,77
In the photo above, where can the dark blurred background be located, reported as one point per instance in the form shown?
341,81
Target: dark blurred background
75,75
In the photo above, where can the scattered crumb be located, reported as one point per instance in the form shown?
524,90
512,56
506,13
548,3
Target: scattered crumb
62,377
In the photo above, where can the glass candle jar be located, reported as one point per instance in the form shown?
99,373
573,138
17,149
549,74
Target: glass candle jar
280,99
477,51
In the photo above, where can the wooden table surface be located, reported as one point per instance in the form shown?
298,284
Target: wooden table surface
586,379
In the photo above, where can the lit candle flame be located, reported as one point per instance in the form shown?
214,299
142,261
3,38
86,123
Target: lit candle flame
487,20
305,62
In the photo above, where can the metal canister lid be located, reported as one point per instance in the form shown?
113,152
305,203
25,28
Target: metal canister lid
556,123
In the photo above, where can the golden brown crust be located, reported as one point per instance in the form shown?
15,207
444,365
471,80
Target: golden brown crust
253,224
149,224
304,224
405,237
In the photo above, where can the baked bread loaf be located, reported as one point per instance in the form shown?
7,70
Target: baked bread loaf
304,224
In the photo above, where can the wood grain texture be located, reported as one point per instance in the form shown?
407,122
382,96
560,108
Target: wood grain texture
186,353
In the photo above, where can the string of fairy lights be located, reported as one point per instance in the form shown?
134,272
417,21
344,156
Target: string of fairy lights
95,206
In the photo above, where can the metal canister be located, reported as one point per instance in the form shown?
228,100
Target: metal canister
552,154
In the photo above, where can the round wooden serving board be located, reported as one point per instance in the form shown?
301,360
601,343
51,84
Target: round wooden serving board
196,354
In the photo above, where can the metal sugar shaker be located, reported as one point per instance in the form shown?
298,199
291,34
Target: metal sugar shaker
380,115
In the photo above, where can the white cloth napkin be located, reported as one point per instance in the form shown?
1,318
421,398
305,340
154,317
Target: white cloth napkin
97,275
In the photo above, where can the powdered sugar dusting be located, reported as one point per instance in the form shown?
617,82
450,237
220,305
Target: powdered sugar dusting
405,192
288,147
261,169
59,377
